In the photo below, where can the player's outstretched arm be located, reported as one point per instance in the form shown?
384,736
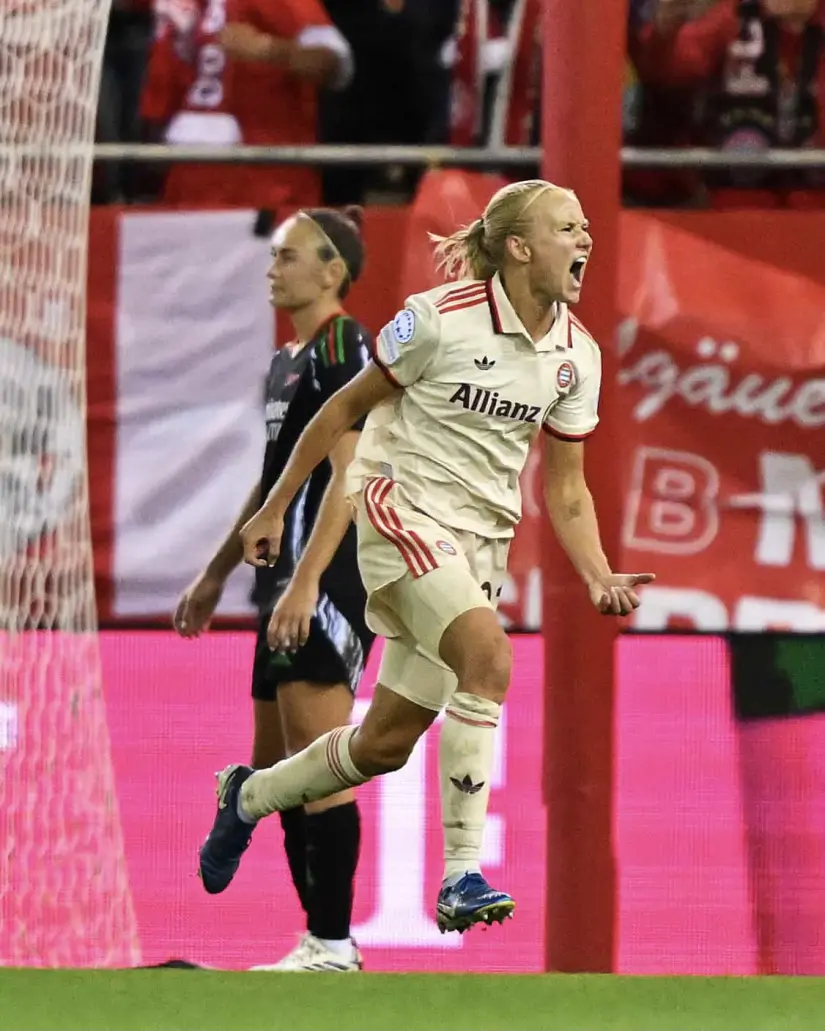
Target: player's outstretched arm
573,517
261,536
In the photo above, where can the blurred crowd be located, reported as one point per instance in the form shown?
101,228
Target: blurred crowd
738,75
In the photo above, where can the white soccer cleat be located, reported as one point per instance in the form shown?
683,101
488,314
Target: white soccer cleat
310,954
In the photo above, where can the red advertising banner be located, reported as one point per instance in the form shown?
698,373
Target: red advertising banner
723,381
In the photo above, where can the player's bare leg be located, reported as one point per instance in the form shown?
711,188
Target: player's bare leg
478,651
391,728
331,835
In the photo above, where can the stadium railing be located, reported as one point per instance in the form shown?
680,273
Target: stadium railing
469,157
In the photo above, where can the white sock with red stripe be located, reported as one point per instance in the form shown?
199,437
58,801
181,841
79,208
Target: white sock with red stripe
465,765
321,770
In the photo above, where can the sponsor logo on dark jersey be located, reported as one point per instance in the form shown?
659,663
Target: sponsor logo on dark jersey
276,410
275,416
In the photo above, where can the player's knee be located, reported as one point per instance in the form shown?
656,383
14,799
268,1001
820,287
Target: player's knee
494,674
486,671
374,754
478,651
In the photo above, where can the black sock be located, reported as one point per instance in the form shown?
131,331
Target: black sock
333,842
293,822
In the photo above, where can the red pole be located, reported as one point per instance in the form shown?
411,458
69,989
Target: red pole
584,56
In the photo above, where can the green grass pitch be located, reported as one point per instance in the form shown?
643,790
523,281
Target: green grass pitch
169,1000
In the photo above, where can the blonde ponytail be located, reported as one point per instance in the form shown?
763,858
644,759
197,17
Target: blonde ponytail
463,255
477,251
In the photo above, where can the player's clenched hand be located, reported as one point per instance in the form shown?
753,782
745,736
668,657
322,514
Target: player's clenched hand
197,605
289,624
613,595
261,538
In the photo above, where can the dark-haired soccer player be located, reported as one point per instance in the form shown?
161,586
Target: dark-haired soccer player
313,641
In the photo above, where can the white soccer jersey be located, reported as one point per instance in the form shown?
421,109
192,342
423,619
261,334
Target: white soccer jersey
476,391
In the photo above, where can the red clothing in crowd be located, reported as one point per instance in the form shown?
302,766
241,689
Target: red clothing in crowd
756,101
517,94
198,95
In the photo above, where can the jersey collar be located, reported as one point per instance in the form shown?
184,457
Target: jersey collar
324,326
505,320
299,345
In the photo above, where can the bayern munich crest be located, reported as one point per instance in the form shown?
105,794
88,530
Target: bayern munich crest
566,376
446,547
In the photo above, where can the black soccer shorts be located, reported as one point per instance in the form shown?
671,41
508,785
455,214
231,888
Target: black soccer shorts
336,652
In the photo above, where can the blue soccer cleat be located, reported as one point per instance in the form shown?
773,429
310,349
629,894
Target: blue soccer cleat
220,855
470,901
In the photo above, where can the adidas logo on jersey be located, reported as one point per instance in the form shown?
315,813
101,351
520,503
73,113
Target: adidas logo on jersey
489,402
484,363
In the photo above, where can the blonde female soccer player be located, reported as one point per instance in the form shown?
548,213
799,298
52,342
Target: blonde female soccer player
462,381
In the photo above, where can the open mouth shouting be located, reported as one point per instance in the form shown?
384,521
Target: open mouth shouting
577,270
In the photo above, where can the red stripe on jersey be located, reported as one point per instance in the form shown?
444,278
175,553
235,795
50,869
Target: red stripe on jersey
461,292
581,326
461,305
566,436
386,521
476,284
387,374
491,301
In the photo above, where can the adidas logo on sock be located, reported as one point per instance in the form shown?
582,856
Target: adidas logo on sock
466,785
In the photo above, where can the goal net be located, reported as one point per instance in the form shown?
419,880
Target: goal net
64,889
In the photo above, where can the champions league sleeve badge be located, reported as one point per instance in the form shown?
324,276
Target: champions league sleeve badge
403,326
400,331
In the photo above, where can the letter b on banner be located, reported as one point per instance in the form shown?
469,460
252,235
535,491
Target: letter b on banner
671,503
